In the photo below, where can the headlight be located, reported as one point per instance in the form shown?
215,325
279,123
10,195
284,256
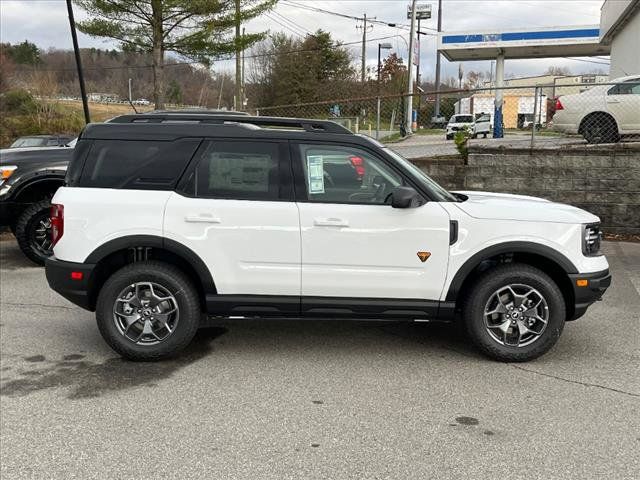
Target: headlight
6,171
591,239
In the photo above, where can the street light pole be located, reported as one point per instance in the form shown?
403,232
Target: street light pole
382,46
436,112
409,108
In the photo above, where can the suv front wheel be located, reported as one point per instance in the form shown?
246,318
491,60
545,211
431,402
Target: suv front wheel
148,311
514,313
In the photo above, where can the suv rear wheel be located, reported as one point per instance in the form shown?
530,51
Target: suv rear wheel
33,231
148,311
514,313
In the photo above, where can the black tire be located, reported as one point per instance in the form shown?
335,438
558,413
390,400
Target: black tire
30,221
473,311
168,277
600,128
449,137
484,136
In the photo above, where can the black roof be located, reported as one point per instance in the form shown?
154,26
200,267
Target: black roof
163,131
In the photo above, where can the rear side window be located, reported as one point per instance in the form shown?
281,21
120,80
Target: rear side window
237,170
144,165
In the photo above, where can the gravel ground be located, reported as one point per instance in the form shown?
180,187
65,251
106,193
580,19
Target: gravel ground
315,400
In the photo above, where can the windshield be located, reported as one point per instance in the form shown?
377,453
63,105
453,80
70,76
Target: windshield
29,142
438,193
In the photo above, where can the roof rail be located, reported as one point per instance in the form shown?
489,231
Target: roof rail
201,111
309,125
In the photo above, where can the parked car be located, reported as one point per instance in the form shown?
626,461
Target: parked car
28,179
33,141
164,220
462,122
602,114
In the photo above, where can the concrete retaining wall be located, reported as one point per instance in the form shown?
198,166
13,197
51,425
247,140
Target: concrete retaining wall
604,180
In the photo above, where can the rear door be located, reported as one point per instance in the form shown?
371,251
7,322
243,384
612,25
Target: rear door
235,210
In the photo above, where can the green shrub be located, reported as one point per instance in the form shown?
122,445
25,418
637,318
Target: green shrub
461,138
18,102
21,114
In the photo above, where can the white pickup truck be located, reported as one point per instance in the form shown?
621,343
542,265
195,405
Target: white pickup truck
463,121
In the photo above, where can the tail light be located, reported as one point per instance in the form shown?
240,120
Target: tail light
57,223
358,164
559,104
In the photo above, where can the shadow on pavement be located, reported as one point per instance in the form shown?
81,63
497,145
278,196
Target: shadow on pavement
89,379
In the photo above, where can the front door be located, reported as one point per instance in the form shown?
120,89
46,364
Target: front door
355,246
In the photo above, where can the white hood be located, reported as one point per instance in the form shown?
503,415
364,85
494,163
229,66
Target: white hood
504,206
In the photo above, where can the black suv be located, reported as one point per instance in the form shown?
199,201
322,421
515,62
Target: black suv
28,180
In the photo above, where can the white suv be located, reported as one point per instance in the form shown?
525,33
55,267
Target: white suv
481,125
166,217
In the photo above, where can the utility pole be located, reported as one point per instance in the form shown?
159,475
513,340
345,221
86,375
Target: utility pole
221,87
364,46
436,112
242,76
76,49
238,96
460,76
418,66
409,108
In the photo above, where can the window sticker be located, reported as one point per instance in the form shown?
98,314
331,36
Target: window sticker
315,174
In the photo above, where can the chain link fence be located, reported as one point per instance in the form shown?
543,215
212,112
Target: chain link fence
533,116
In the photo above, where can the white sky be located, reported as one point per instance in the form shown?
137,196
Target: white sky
45,23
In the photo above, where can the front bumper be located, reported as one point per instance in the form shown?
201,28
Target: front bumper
597,284
77,291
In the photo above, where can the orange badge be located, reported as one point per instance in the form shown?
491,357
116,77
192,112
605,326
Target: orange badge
424,256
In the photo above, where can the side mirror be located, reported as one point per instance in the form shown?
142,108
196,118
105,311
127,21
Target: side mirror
404,197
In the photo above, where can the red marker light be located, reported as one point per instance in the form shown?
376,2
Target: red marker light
77,275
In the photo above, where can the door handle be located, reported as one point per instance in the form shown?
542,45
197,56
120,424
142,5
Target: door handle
202,218
612,101
330,222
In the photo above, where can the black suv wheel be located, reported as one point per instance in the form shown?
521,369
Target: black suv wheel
514,313
148,311
33,232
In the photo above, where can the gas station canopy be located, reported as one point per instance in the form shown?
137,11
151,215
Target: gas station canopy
578,41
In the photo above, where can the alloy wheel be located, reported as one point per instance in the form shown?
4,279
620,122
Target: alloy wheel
146,313
516,315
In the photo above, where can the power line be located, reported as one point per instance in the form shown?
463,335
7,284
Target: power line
291,29
350,17
222,59
587,61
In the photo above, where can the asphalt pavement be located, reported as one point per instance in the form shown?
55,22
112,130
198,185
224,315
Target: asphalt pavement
315,399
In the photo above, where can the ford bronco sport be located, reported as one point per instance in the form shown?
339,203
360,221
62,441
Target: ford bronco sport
165,218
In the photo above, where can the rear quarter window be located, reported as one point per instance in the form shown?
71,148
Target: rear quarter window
144,165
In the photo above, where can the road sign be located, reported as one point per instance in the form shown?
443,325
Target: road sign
423,11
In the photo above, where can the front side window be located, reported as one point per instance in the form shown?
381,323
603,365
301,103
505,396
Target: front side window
346,175
237,170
